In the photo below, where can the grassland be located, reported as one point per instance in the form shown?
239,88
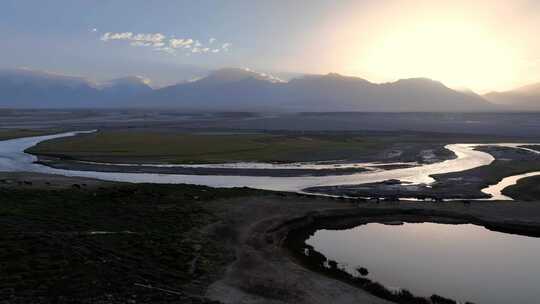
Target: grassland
526,189
175,147
109,245
208,148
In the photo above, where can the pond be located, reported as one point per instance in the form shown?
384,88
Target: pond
462,262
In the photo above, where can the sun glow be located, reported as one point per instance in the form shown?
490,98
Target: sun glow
459,54
483,45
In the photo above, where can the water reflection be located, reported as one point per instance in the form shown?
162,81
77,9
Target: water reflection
464,262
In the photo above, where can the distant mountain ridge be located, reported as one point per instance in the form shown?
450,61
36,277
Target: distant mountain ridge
22,88
526,98
233,89
236,89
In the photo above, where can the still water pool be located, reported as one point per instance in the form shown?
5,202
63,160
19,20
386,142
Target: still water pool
462,262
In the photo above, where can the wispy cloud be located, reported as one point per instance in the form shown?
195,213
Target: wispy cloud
225,46
116,36
170,45
180,43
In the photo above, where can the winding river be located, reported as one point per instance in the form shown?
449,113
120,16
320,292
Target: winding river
14,159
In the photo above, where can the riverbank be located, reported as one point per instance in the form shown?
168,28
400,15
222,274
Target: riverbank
39,181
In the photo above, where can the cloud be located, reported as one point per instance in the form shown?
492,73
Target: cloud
94,30
116,36
154,38
180,43
161,43
226,46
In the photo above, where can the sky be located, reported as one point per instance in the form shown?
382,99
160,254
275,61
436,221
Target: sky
483,45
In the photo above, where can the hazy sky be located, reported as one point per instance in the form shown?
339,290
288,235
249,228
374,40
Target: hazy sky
482,45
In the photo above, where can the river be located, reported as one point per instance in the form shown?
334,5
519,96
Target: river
14,159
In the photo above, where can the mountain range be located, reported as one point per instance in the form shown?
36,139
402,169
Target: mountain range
22,88
525,98
233,89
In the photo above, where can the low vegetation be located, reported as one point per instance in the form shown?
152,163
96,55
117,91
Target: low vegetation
291,146
121,244
208,148
526,189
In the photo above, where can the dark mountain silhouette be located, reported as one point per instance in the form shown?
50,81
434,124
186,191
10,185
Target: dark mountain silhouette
238,90
526,98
